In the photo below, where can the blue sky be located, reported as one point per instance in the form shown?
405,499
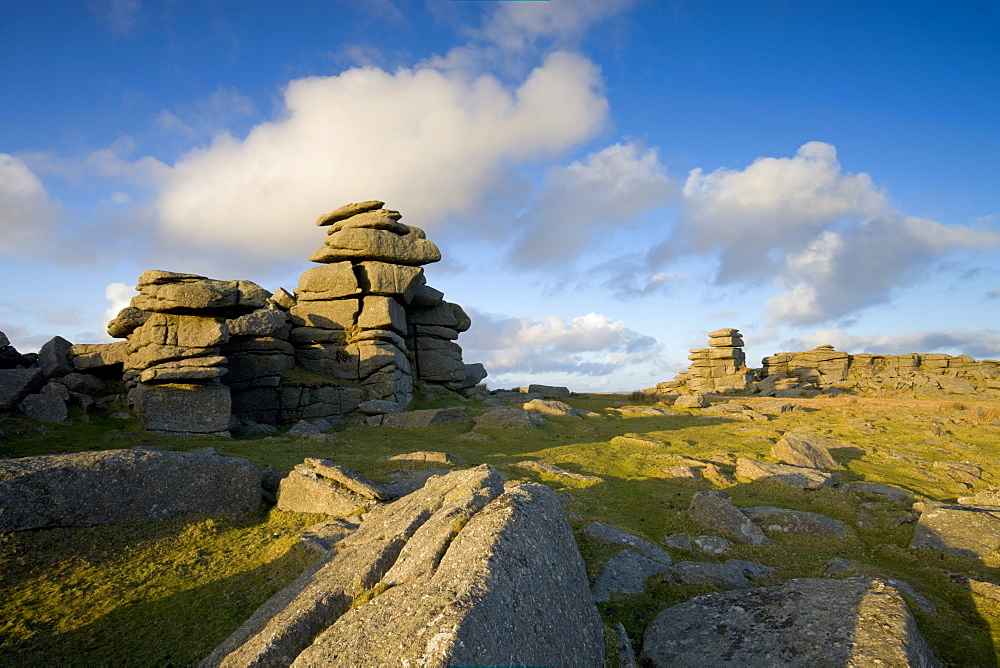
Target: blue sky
607,180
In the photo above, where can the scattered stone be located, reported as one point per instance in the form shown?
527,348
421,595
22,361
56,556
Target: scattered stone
713,544
985,589
45,408
807,450
922,601
626,573
715,511
309,427
885,491
184,408
422,456
549,391
962,471
965,531
691,401
852,622
319,486
116,486
549,469
785,520
626,655
549,408
646,411
990,496
637,441
752,569
505,418
835,566
16,384
793,476
53,357
680,541
682,472
603,533
724,576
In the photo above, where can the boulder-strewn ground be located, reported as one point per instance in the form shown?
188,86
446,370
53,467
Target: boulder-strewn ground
905,479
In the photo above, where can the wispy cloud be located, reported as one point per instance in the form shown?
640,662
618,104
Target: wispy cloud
586,199
589,345
119,16
28,216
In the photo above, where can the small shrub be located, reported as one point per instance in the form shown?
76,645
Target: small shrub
641,397
987,413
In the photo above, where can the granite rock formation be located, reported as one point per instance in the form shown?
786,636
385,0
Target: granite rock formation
721,368
202,355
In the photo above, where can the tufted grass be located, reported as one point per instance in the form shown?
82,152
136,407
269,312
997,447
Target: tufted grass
167,593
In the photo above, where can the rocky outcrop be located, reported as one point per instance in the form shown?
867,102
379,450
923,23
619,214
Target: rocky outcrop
363,326
826,369
113,486
852,622
719,368
433,579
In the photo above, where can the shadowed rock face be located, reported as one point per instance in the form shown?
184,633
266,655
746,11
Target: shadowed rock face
465,574
852,622
115,486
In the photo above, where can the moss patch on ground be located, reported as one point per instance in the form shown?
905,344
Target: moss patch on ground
168,592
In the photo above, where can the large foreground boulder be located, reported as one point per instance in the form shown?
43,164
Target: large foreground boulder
115,486
460,572
807,622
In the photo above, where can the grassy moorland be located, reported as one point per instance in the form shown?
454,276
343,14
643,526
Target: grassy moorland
168,592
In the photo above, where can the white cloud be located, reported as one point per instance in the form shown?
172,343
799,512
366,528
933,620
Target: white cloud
983,343
829,239
841,272
515,26
774,205
120,295
27,215
207,117
429,143
584,199
590,345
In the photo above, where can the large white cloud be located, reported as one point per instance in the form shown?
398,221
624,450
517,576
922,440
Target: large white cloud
590,345
830,240
27,215
773,205
590,198
983,343
428,142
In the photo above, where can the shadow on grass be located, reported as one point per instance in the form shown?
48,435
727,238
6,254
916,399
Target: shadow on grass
179,629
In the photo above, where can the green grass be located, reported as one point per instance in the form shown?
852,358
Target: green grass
169,592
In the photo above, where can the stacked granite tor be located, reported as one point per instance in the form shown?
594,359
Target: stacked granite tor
719,368
366,314
176,329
